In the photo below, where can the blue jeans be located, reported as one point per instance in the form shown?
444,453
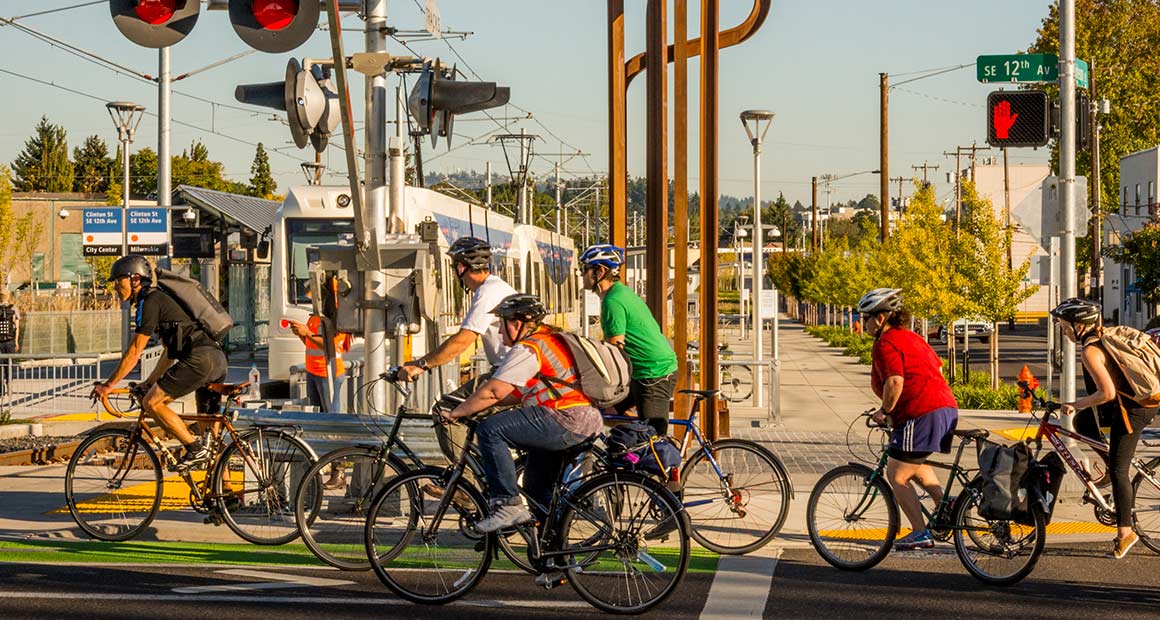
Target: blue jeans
534,430
316,387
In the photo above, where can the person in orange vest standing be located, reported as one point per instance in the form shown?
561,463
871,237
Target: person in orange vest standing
316,388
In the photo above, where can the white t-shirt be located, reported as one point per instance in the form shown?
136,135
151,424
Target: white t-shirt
518,366
480,320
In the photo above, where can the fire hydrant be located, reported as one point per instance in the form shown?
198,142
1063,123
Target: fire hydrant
1032,382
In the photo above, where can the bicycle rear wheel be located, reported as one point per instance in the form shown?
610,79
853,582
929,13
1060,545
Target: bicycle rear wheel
740,508
422,558
1146,516
996,552
736,382
255,480
610,523
113,485
852,518
331,505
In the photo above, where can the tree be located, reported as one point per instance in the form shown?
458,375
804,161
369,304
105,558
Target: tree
780,214
1141,250
92,166
43,165
197,151
262,183
7,224
28,232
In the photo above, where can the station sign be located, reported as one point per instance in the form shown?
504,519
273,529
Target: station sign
101,232
148,231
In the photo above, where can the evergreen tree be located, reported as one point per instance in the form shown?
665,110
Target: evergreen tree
92,165
197,151
43,165
262,183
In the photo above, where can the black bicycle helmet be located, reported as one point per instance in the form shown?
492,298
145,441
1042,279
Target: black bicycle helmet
521,307
473,252
1076,310
131,265
880,300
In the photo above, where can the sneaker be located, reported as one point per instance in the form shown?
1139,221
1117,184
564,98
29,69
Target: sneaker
193,458
915,540
504,515
1121,546
662,529
461,500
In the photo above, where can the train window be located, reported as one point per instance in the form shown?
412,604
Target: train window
305,233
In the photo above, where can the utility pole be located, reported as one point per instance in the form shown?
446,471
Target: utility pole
1097,280
814,219
1007,207
958,183
883,155
1067,180
925,167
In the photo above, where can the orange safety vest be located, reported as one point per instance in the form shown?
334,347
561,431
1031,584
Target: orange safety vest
556,361
316,357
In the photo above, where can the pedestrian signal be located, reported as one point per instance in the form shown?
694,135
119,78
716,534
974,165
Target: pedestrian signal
154,23
1018,118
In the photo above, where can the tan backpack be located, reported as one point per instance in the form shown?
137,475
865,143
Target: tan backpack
1138,358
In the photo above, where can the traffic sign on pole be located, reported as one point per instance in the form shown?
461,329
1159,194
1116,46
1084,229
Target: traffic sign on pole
101,232
1024,68
148,232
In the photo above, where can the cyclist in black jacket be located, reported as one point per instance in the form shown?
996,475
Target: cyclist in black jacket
192,358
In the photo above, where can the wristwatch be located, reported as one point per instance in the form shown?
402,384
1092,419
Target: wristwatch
422,363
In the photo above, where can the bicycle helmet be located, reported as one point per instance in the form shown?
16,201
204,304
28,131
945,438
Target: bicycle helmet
472,252
1076,310
521,307
604,255
131,265
880,300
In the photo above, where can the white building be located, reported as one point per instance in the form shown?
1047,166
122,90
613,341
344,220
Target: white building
1025,183
1139,174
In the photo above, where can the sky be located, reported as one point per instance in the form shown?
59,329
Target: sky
815,64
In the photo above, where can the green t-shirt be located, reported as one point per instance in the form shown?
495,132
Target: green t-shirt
622,313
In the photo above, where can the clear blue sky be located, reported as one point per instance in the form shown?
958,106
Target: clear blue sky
815,64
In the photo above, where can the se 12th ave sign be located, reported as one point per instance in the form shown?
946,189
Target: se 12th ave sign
1025,68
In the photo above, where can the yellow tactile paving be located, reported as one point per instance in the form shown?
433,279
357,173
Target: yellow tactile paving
73,417
1026,432
1059,527
137,498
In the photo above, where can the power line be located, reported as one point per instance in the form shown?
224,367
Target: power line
63,8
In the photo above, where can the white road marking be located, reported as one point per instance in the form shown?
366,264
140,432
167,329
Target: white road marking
741,586
283,581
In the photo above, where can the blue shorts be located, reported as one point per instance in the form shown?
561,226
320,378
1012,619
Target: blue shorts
914,440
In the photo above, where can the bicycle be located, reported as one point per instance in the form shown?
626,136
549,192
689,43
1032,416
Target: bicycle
332,517
736,380
1145,484
114,484
735,491
424,547
853,518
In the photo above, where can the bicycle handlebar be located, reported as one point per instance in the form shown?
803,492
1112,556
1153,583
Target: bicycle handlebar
134,390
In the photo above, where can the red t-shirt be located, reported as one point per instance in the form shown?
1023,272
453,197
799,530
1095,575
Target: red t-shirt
903,353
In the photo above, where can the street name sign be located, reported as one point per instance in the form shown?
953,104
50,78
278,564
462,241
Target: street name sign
101,232
1025,68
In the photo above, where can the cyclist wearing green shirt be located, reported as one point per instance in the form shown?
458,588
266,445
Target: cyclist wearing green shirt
628,323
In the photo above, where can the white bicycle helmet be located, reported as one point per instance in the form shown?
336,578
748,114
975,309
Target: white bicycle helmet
605,255
880,300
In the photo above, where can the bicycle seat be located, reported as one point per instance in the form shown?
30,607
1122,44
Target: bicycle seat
229,390
973,433
701,393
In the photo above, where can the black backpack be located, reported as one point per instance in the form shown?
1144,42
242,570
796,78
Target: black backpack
205,310
635,446
7,323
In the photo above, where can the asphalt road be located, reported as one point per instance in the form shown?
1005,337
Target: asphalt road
1026,345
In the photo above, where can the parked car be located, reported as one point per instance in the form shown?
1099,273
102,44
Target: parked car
973,327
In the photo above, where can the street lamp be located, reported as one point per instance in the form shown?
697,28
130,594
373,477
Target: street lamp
126,116
756,134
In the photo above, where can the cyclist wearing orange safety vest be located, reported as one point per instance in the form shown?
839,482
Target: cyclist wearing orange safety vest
316,362
549,417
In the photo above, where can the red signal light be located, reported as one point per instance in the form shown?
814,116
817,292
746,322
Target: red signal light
275,14
156,12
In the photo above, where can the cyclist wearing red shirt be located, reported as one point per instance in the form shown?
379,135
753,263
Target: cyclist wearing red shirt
907,375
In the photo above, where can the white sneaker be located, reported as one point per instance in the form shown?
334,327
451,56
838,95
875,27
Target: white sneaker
503,516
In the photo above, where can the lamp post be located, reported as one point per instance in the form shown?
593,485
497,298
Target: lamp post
126,116
756,135
739,234
774,233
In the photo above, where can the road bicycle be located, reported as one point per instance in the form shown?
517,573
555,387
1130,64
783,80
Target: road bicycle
595,535
1145,484
735,491
736,380
853,518
115,484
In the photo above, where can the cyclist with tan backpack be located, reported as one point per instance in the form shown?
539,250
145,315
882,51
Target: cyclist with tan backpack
1121,372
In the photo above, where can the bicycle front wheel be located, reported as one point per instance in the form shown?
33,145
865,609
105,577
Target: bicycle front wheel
738,500
113,485
1146,516
852,518
995,551
421,539
737,382
331,504
614,525
255,480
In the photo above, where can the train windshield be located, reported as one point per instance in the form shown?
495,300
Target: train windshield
305,233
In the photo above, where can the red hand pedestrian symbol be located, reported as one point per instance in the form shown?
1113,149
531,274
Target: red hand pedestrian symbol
1004,120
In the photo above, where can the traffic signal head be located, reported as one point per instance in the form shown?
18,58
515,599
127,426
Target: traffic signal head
1018,118
154,23
306,96
274,26
437,97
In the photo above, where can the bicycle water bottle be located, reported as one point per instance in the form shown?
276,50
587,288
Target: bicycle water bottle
255,383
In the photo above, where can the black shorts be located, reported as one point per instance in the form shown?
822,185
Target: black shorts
203,365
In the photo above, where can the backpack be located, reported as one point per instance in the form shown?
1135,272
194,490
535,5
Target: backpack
1138,358
7,323
1002,470
1041,484
205,310
635,446
602,370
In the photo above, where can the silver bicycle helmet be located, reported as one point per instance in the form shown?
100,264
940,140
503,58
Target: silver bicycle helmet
880,300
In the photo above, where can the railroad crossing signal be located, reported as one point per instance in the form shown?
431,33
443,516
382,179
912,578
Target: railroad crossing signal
273,26
154,23
308,98
1018,118
438,97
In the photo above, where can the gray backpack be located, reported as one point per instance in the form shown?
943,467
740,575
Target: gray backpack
203,308
602,370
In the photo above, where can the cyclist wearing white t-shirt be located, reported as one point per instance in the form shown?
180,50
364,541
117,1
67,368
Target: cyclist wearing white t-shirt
471,260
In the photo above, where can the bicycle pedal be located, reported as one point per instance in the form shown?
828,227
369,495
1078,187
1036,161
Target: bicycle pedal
213,519
551,580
